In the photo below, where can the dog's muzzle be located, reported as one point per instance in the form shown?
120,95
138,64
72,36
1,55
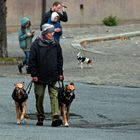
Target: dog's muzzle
19,95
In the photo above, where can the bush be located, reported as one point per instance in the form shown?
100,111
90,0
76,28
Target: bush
110,21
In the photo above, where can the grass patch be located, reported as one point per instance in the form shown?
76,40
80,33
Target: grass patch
10,60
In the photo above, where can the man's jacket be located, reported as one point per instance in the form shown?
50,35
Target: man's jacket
46,60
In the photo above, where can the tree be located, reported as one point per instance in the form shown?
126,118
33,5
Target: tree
43,7
3,29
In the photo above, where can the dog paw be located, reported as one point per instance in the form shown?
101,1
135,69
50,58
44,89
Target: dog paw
66,125
90,66
18,122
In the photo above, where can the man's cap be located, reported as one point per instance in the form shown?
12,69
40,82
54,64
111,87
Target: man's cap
47,28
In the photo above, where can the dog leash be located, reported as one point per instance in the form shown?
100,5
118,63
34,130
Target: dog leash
61,84
28,89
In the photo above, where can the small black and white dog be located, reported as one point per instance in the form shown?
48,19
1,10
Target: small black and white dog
83,60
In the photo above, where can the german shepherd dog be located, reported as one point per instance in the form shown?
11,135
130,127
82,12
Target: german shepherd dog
20,96
65,98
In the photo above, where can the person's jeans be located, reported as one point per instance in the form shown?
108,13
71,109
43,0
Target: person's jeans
26,58
39,95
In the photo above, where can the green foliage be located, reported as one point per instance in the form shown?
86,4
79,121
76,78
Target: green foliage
110,21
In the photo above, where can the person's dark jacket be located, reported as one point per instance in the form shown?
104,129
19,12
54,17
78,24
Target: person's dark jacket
47,15
46,61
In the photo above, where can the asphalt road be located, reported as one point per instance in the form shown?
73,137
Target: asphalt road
97,113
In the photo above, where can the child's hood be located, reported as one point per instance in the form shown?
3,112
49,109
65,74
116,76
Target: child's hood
24,21
54,14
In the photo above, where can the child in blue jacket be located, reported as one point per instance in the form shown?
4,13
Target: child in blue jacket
25,35
54,20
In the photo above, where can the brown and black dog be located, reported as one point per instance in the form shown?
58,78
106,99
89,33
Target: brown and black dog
65,98
20,96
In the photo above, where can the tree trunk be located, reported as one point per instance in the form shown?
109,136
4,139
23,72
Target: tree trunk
43,7
3,30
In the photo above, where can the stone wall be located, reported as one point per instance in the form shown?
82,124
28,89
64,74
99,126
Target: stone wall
16,9
79,11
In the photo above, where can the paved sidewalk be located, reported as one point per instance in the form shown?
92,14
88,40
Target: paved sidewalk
117,64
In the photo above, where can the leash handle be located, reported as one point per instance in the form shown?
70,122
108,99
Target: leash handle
28,89
61,84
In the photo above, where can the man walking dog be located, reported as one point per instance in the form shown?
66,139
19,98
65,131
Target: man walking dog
46,67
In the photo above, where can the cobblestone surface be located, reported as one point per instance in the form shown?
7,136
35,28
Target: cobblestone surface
118,64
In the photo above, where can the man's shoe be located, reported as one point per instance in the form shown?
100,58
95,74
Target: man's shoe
39,123
20,68
56,123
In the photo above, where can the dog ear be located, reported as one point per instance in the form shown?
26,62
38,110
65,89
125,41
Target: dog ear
19,85
66,87
15,84
78,54
23,83
71,83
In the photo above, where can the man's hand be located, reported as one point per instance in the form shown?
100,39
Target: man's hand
29,34
63,7
61,77
33,33
57,29
34,79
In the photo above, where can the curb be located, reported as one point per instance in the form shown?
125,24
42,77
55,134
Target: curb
81,44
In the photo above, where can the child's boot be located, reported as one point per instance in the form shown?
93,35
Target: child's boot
27,70
20,66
